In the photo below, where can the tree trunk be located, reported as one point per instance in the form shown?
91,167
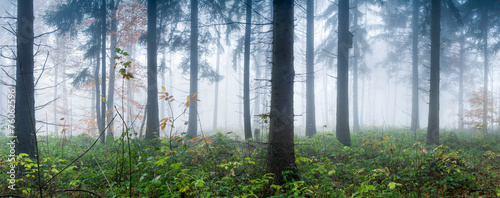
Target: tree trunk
193,82
163,69
325,94
25,89
414,72
355,115
257,92
433,124
111,89
461,84
281,152
56,72
103,68
152,126
486,70
343,134
216,99
246,72
310,108
100,127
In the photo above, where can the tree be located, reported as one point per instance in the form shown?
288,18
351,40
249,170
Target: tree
343,134
153,122
111,88
310,108
103,71
246,72
414,74
67,17
281,152
356,58
193,81
482,19
25,87
433,123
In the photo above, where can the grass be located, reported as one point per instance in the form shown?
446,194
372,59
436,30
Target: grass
388,163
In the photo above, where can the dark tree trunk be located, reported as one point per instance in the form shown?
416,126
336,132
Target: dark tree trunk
153,122
193,82
111,89
355,115
461,84
103,68
486,70
246,72
25,88
310,108
343,134
281,152
414,73
433,124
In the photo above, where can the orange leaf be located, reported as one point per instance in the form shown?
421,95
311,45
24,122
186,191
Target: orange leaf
197,138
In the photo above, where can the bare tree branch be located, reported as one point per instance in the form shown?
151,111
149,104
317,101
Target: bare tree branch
43,68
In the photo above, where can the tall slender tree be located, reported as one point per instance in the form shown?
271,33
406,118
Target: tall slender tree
310,107
111,88
355,60
414,74
485,30
25,87
103,68
461,84
193,82
343,134
152,126
216,95
246,72
433,123
281,152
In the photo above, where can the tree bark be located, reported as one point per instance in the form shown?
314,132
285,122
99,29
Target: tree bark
355,115
281,152
343,134
486,70
103,68
111,89
414,74
461,84
25,89
433,123
246,72
100,127
152,126
310,107
193,85
217,65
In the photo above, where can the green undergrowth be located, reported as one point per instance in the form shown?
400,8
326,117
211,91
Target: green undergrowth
395,163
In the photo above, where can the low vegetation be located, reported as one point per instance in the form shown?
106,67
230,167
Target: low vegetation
380,163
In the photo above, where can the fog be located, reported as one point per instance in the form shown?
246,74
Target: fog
64,106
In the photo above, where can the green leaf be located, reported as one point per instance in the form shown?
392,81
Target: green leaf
331,172
393,185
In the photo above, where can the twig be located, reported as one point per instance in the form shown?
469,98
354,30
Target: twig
100,168
43,69
129,153
85,152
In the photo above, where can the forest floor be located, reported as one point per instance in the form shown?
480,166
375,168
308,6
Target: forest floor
380,163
